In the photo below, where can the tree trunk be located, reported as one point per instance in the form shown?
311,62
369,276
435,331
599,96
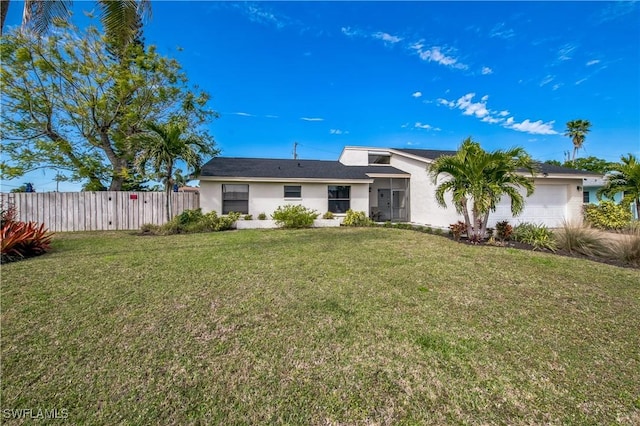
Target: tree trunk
638,208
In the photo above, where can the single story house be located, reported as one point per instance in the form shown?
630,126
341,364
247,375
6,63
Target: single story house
389,184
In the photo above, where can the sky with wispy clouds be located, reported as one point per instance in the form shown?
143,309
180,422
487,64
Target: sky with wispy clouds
399,74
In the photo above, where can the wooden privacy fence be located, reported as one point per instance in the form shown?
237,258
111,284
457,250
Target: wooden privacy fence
97,211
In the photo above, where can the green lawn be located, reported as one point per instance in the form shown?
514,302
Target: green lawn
326,326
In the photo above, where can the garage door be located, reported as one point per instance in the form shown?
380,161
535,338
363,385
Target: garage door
547,205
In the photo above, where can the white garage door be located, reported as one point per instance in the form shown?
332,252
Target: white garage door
547,205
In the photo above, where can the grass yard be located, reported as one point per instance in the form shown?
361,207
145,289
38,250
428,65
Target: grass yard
365,326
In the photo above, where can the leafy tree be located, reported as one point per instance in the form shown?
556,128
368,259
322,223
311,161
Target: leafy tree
624,177
577,130
480,178
25,187
591,164
70,104
120,18
165,144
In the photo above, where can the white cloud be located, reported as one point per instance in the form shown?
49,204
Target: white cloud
566,51
419,125
413,143
582,80
349,32
311,119
387,38
271,116
338,132
500,31
556,86
445,102
534,128
486,71
548,79
435,54
480,111
263,16
243,114
593,62
417,94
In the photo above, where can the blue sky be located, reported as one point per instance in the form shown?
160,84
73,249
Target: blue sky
405,74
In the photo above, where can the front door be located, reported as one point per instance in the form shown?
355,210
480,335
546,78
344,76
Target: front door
391,205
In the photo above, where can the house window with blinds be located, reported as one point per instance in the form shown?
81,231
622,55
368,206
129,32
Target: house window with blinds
339,199
235,198
292,191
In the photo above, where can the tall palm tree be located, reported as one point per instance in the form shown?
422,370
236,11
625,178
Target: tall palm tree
577,130
480,178
624,177
165,144
120,18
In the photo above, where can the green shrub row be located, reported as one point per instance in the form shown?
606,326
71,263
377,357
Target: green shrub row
193,221
608,215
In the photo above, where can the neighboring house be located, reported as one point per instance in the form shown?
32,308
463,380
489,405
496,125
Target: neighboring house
591,186
388,184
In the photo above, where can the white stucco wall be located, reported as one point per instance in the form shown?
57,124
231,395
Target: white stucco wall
266,197
553,201
354,156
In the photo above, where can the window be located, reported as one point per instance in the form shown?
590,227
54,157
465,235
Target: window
235,198
585,197
292,191
379,158
339,199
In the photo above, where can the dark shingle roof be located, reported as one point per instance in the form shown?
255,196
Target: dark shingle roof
433,154
289,169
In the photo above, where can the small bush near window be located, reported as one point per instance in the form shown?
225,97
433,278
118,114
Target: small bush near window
248,217
607,215
354,218
457,229
293,217
262,216
328,215
189,217
504,230
536,235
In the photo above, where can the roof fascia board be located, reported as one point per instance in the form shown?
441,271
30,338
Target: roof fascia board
281,180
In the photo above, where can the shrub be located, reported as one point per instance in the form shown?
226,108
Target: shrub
582,239
262,216
20,240
607,215
536,235
328,215
627,248
8,215
504,230
189,217
149,228
248,217
193,221
457,229
293,217
354,218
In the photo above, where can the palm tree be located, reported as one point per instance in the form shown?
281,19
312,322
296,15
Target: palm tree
120,18
165,144
623,177
481,178
577,130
